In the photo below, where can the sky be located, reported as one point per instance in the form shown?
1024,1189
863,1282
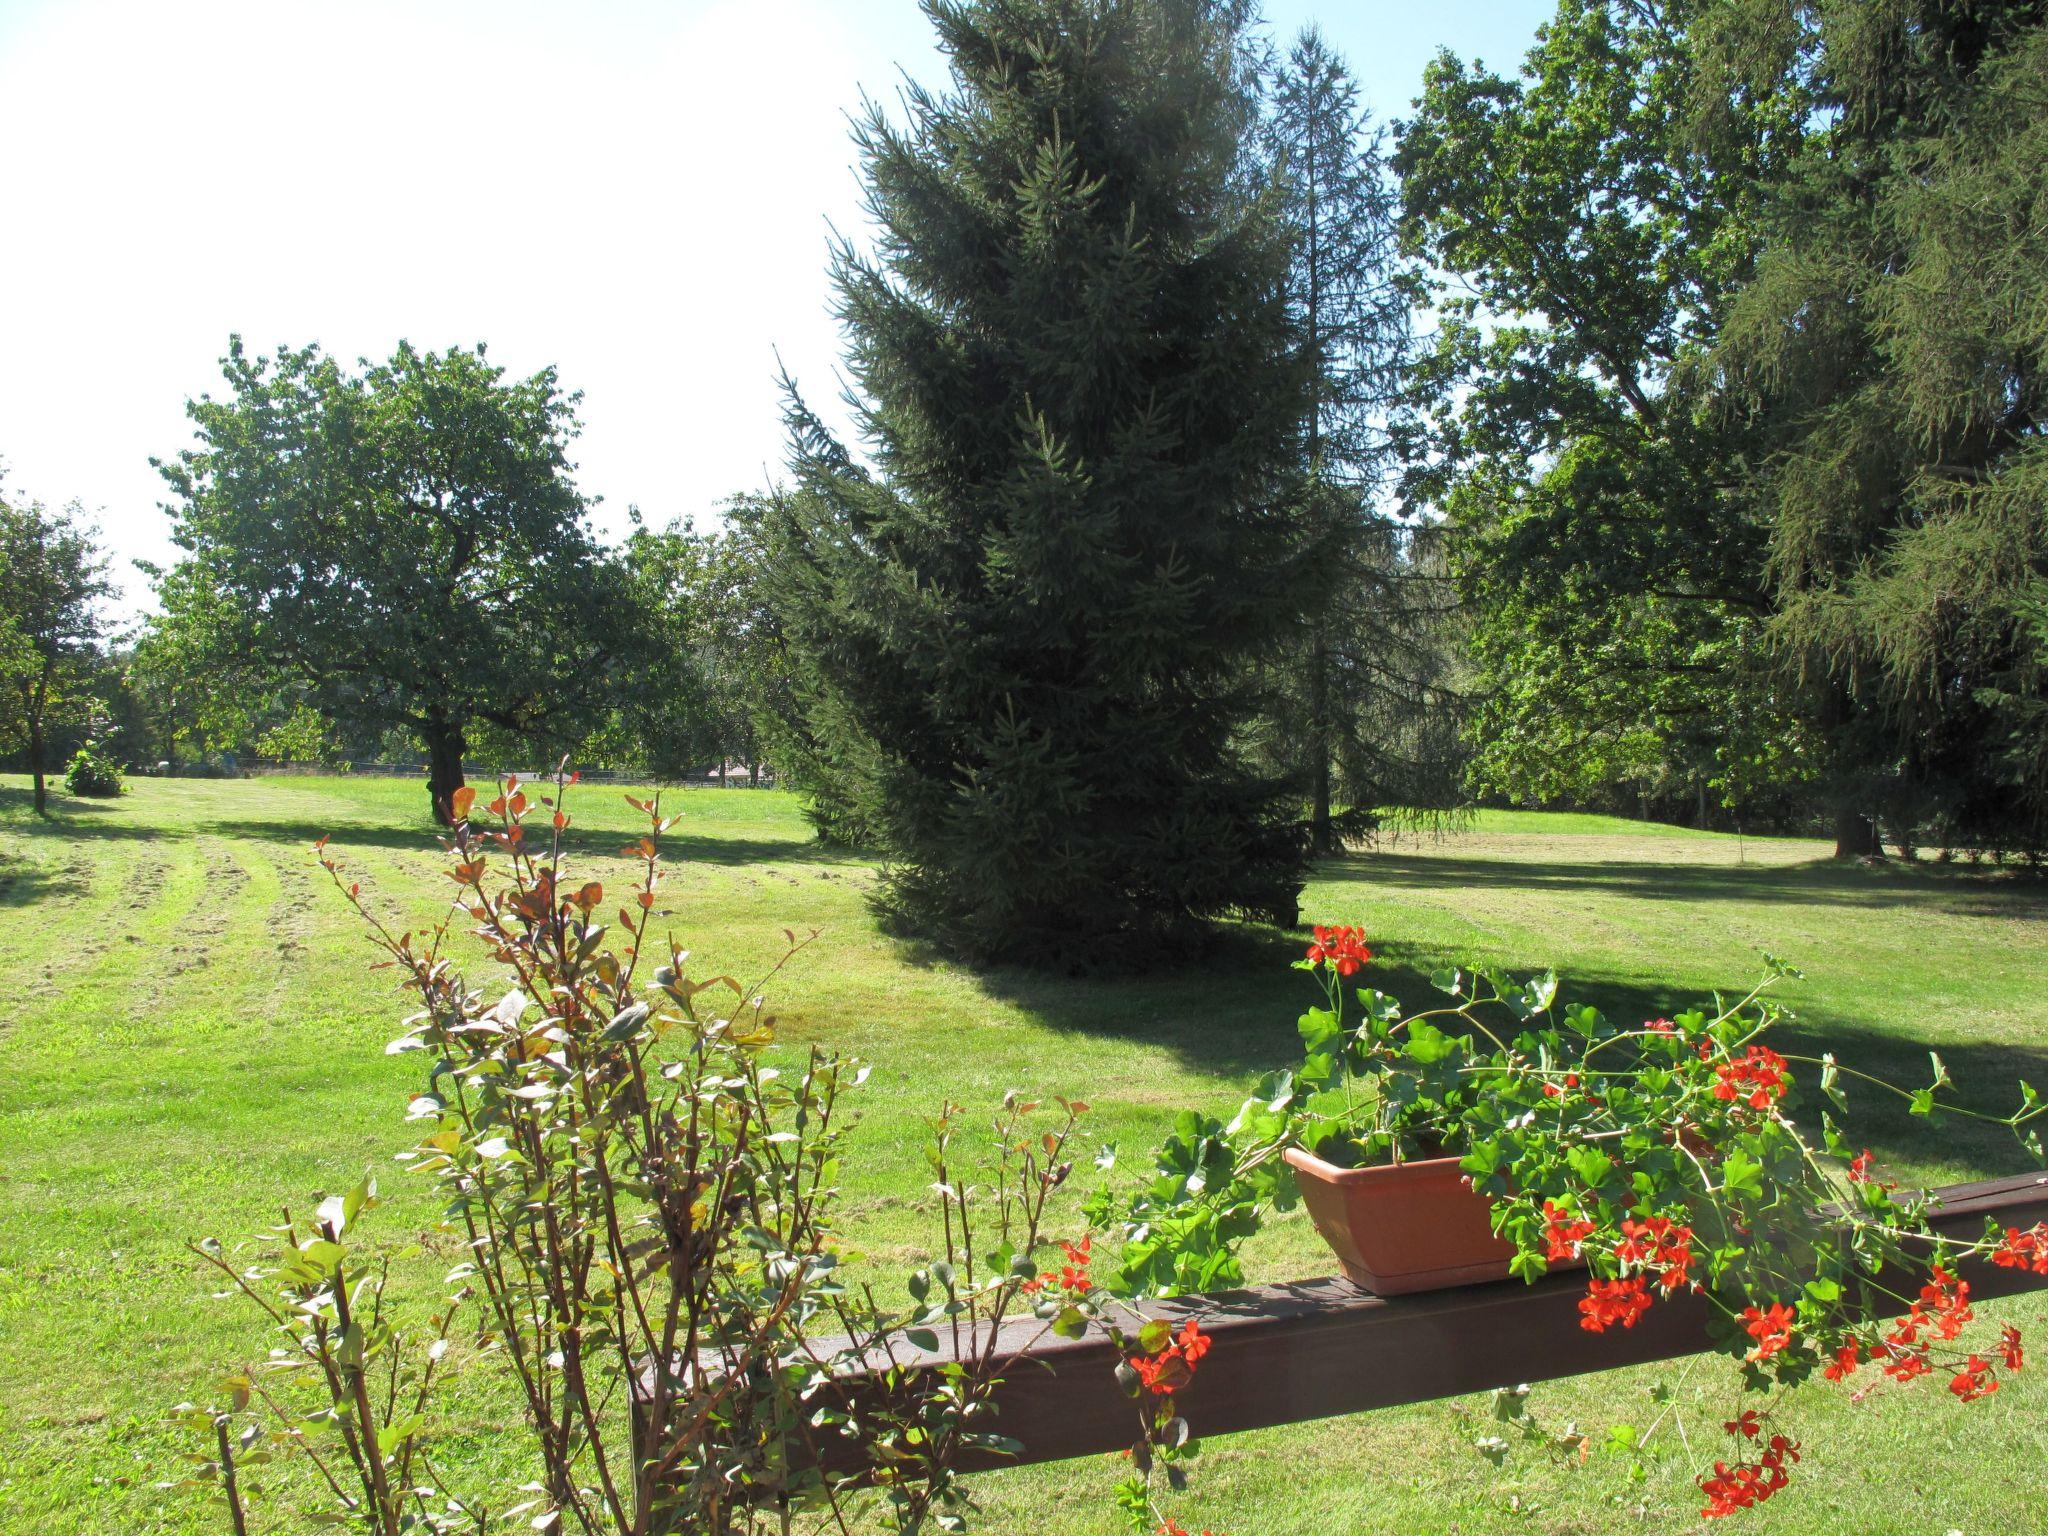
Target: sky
639,192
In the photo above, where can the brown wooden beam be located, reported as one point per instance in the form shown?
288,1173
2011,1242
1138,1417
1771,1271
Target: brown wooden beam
1312,1349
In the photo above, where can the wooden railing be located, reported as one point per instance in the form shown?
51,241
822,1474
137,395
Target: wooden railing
1315,1348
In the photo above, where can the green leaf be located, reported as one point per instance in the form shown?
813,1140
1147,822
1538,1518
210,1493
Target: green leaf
1830,1075
1590,1165
395,1434
1319,1029
1427,1045
1742,1174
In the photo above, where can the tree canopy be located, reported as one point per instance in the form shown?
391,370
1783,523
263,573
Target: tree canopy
53,581
405,544
1893,350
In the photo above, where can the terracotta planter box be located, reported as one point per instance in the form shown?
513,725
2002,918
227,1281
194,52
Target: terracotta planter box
1402,1227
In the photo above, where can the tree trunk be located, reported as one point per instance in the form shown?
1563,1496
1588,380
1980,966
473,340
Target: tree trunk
35,766
444,765
1855,835
1321,838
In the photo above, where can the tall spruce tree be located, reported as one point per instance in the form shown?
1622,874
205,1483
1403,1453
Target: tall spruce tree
1023,638
1362,685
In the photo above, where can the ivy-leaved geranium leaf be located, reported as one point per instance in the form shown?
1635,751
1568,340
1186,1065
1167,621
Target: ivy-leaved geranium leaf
1427,1045
1319,1029
1590,1165
1742,1174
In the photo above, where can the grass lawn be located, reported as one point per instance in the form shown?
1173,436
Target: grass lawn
196,1038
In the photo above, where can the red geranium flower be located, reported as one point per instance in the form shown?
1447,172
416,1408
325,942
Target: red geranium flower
1903,1364
1344,947
1171,1369
1772,1330
1943,1307
1757,1079
1074,1273
1610,1302
1974,1380
1748,1483
2009,1346
1563,1232
2024,1250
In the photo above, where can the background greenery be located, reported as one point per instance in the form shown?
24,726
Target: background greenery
196,1037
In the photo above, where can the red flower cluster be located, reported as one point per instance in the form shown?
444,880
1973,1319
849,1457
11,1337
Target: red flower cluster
1073,1273
1938,1316
1847,1358
1747,1483
2024,1250
1771,1329
1660,1244
1660,1026
1859,1167
1563,1232
1757,1079
1171,1369
1608,1302
2009,1347
1343,947
1902,1362
1943,1307
1976,1379
1172,1527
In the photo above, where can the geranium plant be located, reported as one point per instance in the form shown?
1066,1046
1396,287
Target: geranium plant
1663,1157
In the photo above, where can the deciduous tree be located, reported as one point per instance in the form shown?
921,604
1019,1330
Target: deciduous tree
53,581
406,543
1586,224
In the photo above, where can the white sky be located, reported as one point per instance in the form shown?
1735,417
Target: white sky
636,191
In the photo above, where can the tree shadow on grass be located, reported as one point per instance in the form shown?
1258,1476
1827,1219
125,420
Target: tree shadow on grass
677,848
1986,1077
69,820
1233,1011
24,883
1959,890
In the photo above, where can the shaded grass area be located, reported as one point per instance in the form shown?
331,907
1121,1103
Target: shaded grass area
195,1037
